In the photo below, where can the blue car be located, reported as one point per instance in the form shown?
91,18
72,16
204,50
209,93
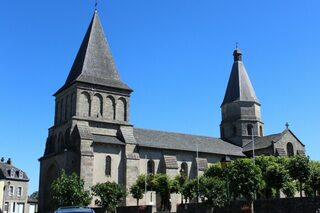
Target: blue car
74,210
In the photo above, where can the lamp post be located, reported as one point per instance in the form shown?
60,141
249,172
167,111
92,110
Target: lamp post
225,161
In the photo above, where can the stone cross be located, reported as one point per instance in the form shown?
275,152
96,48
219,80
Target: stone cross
287,125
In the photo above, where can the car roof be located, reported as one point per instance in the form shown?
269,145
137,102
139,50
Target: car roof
73,209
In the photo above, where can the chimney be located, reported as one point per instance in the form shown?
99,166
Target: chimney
9,162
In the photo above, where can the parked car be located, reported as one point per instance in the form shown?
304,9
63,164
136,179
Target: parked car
73,209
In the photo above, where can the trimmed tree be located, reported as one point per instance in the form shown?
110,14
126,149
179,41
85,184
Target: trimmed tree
161,183
190,190
276,177
299,169
137,192
67,190
213,192
178,183
313,183
109,194
245,179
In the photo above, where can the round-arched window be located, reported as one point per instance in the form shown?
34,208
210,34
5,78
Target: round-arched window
290,151
184,169
250,129
150,169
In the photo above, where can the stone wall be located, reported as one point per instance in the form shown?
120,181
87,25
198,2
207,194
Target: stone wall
284,205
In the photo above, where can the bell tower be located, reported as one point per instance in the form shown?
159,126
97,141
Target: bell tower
240,109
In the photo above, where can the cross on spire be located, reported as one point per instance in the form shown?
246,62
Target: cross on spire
287,125
96,5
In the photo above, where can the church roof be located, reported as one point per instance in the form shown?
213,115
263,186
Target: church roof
239,86
184,142
94,63
262,142
266,141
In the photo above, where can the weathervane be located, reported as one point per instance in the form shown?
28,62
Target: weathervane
236,45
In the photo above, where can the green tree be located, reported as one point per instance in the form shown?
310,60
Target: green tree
190,189
212,192
214,170
263,162
313,182
162,184
299,169
289,188
137,192
178,184
276,177
245,178
67,190
110,194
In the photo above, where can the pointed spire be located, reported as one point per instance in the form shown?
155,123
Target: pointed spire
239,86
94,63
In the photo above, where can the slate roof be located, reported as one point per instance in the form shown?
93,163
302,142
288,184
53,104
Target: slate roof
5,170
94,63
107,139
184,142
239,86
262,142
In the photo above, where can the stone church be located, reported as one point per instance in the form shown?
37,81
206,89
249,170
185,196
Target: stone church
93,137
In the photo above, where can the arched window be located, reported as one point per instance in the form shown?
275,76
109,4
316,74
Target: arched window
84,109
57,118
184,169
121,112
250,129
290,151
67,108
108,166
97,105
61,144
150,169
61,110
261,131
73,104
110,108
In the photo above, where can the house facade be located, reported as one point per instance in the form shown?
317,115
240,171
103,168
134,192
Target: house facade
14,188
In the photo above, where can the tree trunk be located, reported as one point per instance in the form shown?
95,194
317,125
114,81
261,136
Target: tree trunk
252,207
137,202
300,188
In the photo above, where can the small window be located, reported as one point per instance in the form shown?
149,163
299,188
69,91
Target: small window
250,129
108,166
6,207
19,191
11,191
290,151
184,169
234,130
150,169
12,172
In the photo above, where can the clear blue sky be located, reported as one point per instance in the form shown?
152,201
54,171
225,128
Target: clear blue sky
175,54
